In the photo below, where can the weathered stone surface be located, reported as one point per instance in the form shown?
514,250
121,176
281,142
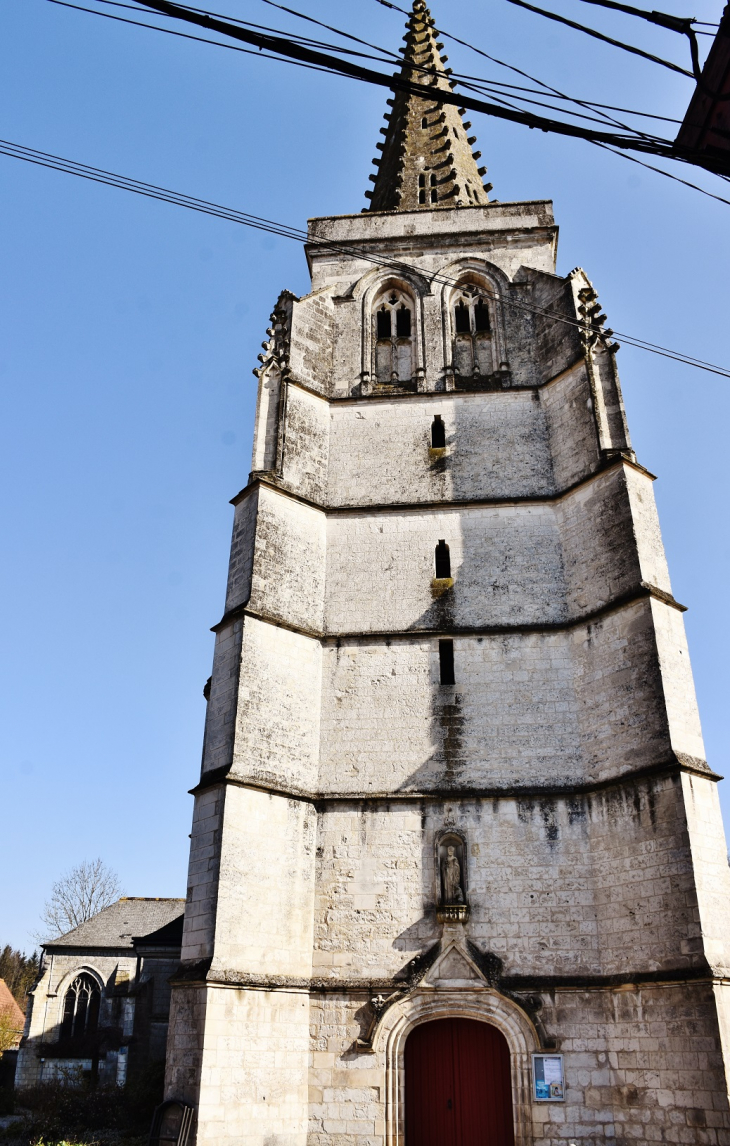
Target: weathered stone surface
567,755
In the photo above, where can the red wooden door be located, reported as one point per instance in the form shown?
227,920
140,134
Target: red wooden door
458,1087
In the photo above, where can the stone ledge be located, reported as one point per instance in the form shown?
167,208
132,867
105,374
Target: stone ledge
673,765
643,592
198,976
265,479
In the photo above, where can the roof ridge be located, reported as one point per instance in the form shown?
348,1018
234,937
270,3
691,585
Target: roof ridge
149,899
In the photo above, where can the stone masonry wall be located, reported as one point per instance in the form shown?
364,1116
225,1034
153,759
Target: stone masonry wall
254,1066
203,866
595,871
496,447
288,578
277,717
264,917
598,884
306,444
643,1065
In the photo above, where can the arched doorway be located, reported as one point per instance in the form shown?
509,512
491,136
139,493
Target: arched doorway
458,1085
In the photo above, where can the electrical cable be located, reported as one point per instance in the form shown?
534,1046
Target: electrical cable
327,71
600,36
486,85
154,191
503,64
681,24
285,47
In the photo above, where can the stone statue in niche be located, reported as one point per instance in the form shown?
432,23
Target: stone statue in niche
451,877
451,856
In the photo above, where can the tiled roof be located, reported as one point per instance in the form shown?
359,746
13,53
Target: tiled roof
9,1006
121,923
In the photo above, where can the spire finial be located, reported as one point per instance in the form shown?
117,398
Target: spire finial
427,159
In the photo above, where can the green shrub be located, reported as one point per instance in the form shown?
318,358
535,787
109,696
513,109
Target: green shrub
61,1114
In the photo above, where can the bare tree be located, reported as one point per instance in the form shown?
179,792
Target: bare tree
77,895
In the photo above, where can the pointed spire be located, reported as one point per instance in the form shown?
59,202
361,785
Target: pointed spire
427,159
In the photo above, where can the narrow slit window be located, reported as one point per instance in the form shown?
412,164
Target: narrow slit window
403,322
438,433
384,324
443,560
424,122
481,316
446,662
461,315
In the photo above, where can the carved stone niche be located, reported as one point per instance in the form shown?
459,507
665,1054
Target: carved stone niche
451,869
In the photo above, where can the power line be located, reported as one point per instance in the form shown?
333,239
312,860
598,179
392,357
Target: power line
511,67
327,71
681,24
283,46
487,85
600,36
286,47
284,230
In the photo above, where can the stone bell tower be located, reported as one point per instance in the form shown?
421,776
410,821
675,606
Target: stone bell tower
457,871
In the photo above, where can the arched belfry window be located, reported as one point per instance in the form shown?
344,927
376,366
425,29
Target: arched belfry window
394,358
81,1008
472,326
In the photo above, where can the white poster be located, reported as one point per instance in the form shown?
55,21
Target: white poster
547,1073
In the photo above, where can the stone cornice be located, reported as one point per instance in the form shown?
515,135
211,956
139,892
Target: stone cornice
642,592
258,480
671,765
201,975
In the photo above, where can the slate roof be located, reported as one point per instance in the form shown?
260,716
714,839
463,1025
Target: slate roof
125,921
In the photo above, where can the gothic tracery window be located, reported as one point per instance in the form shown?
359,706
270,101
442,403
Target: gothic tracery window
472,332
81,1008
394,338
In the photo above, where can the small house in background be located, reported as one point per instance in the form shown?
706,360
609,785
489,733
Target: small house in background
102,1000
12,1019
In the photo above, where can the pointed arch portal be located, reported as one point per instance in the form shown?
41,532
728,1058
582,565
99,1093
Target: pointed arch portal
458,1088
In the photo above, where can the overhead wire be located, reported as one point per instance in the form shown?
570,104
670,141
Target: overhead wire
480,86
399,82
328,71
503,64
231,214
534,79
600,36
487,85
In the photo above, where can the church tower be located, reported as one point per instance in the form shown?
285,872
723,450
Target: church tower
458,874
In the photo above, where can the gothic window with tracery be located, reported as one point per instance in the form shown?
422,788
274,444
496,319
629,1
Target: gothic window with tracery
394,338
81,1008
472,333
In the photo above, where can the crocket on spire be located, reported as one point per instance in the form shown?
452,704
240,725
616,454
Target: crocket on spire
427,159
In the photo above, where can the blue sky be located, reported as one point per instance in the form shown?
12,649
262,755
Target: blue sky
130,329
